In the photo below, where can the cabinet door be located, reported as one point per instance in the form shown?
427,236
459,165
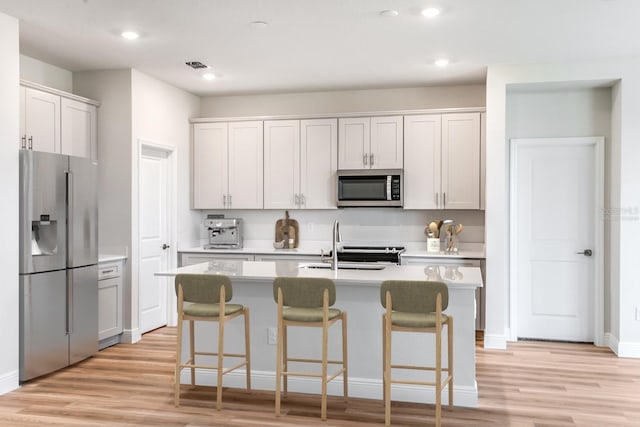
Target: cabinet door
79,129
109,308
209,165
23,130
245,165
282,164
386,143
42,120
422,162
318,163
354,143
483,157
461,161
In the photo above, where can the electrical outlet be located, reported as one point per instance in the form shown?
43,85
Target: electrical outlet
272,336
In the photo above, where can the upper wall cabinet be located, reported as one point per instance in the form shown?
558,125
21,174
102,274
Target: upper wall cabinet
39,120
228,165
57,124
442,161
370,143
300,164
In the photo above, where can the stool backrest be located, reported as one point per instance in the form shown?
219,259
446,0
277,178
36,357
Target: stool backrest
305,292
414,296
203,288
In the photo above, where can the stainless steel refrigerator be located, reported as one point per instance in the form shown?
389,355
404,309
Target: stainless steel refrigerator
58,262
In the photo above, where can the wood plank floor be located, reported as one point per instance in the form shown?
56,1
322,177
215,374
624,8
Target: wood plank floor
530,384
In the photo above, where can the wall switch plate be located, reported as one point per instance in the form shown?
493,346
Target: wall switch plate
272,336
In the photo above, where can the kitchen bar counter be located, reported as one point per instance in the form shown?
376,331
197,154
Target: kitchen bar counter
359,295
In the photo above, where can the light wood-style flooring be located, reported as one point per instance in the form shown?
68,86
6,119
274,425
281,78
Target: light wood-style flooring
530,384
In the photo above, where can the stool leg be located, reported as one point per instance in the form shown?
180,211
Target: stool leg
450,361
178,362
279,345
345,375
325,333
387,372
192,351
247,347
285,361
220,359
438,376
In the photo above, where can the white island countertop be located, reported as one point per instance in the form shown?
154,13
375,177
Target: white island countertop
458,277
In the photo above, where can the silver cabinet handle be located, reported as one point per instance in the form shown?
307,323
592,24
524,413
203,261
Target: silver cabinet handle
303,200
444,200
224,200
296,200
230,200
24,142
371,159
436,196
31,143
586,252
364,159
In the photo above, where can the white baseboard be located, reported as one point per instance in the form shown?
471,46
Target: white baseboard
131,336
358,387
108,342
621,348
9,381
498,342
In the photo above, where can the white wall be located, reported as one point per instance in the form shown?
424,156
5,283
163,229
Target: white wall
9,129
161,116
45,74
347,101
624,337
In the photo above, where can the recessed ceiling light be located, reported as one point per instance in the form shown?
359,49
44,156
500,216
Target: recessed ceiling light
389,13
430,12
130,35
442,62
259,24
209,76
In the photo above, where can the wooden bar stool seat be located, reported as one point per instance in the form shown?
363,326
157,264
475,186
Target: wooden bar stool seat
204,297
305,302
416,306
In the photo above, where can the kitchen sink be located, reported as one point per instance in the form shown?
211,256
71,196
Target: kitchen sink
344,266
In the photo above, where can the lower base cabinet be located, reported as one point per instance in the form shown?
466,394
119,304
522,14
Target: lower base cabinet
110,303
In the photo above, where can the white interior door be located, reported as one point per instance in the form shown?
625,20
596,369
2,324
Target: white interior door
154,235
555,201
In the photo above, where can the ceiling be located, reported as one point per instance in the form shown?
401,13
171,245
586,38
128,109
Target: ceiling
311,45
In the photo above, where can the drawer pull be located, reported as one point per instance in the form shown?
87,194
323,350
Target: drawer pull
107,271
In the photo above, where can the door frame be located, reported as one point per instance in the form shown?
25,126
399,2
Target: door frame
171,215
598,300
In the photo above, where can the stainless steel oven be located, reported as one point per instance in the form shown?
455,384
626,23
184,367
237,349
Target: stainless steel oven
370,188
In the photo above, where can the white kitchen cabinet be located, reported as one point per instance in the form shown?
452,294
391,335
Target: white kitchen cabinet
442,161
227,165
300,162
370,142
79,129
57,124
39,120
110,302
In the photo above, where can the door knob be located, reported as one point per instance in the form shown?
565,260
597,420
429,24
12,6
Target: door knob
586,252
165,246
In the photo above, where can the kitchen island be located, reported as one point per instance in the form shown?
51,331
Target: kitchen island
358,293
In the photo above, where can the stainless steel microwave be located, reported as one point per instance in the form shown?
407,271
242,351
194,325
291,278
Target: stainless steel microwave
370,187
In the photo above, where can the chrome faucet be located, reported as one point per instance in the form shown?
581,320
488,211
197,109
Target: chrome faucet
336,239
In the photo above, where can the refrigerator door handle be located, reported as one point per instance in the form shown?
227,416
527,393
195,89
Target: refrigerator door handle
69,182
69,303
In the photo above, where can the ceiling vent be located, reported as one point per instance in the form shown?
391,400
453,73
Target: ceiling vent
196,65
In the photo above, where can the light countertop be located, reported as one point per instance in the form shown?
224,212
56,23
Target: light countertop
413,249
455,277
102,258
